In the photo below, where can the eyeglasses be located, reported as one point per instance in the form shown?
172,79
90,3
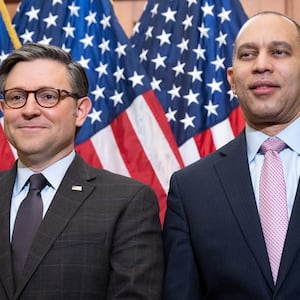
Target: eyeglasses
45,97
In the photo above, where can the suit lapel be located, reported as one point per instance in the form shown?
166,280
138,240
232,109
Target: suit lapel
233,172
73,191
6,273
292,244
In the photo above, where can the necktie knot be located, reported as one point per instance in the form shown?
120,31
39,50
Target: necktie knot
273,144
37,182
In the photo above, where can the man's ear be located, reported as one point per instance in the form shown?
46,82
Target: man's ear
230,79
83,108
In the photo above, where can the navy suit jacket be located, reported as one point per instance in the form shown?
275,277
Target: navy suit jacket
99,242
214,245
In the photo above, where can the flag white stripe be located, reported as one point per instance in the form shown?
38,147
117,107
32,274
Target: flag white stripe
222,133
108,152
153,141
189,152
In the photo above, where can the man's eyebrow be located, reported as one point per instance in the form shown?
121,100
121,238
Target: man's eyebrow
246,46
273,44
281,44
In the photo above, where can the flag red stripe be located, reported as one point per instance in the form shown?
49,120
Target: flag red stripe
237,120
6,154
88,153
205,142
132,151
159,114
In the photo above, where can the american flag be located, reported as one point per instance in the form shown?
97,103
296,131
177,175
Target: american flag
6,46
126,131
186,46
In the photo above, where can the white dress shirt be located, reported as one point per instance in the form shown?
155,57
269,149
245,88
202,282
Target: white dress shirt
54,175
290,157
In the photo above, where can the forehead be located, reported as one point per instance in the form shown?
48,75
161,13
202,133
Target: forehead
267,28
39,67
38,62
37,73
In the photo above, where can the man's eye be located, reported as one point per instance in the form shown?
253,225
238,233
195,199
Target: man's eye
246,55
48,96
16,97
280,52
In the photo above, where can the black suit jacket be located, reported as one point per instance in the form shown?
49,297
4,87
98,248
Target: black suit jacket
214,245
101,242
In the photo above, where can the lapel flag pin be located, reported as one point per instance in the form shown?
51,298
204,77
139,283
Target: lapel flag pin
77,188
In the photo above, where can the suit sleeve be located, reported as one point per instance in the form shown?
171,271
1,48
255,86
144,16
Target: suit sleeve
181,275
137,264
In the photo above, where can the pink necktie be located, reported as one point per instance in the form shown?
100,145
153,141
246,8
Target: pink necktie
272,202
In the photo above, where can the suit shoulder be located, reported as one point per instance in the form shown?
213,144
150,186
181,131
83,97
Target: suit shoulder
204,162
4,173
109,175
121,182
207,162
105,182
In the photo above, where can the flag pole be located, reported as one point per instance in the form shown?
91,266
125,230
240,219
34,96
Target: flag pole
10,29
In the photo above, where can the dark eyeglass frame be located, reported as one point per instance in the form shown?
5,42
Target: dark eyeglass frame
36,92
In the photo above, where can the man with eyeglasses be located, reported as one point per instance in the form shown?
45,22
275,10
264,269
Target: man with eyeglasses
99,235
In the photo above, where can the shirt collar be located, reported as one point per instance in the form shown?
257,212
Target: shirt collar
255,138
54,173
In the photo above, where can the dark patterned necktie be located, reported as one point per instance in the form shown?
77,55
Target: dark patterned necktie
28,219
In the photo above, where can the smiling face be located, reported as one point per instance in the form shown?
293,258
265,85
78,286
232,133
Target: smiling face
266,72
42,135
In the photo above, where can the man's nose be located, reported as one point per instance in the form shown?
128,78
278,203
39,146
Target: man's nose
263,63
31,103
